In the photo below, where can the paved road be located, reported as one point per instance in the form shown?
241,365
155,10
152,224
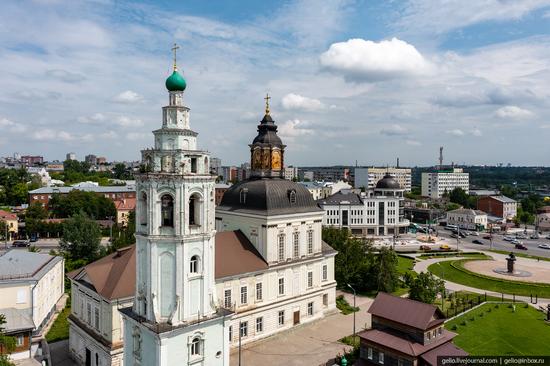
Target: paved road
60,354
45,245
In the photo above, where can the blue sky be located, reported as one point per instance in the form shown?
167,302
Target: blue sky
350,80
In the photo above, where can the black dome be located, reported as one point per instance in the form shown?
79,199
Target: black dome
388,182
267,132
272,196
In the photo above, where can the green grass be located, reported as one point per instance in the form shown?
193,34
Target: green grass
344,306
405,264
350,340
454,271
501,331
60,328
453,254
457,302
519,254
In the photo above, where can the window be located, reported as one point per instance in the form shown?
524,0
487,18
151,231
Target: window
296,244
381,358
230,333
281,247
369,353
194,212
325,299
21,296
281,286
325,272
196,347
244,295
259,292
167,208
259,325
281,317
143,210
89,313
227,299
193,165
310,309
243,329
242,195
309,241
292,196
96,359
19,341
194,264
310,279
136,337
96,318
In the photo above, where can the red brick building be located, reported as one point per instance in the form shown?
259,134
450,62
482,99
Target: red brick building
498,206
115,193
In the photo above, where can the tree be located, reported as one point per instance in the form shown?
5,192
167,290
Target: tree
36,211
95,206
121,172
458,195
425,287
386,269
3,230
7,344
124,236
81,238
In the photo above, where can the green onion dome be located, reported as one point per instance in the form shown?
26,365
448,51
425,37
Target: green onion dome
175,82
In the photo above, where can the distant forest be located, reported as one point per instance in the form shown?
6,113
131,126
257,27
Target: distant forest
524,178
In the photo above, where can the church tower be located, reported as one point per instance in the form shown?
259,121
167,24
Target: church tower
175,319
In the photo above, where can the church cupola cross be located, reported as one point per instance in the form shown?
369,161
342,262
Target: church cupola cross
267,98
175,50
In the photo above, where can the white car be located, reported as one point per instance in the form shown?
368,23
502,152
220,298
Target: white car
508,238
544,246
475,233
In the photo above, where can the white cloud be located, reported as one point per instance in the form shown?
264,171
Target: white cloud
297,102
12,126
413,143
513,112
477,132
125,121
110,135
363,60
66,76
97,117
295,128
133,136
456,132
128,97
394,130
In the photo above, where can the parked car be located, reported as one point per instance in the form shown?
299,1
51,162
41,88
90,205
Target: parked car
508,238
487,237
548,236
454,235
446,247
474,233
544,246
535,236
425,247
521,236
477,242
516,242
33,239
521,246
20,244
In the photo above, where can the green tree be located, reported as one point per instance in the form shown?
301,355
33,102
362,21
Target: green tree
121,172
124,236
458,195
425,287
95,206
7,344
36,211
3,230
81,238
385,267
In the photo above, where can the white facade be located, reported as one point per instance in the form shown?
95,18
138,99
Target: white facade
435,184
368,177
175,319
290,172
467,219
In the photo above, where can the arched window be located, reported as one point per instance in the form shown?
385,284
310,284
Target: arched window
292,196
194,264
242,195
194,210
167,210
196,347
143,209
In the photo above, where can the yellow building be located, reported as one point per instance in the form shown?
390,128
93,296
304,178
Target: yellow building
11,222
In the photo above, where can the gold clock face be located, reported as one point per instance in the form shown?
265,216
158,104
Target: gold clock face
276,160
266,159
257,159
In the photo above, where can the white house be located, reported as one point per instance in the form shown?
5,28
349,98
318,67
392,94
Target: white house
467,219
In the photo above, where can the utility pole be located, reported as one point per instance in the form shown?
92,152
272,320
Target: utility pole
457,236
353,310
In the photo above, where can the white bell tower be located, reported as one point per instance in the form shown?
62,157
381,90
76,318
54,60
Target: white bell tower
175,318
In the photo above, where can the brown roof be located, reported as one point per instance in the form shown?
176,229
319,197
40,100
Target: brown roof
404,345
446,349
125,204
5,215
235,255
113,276
406,311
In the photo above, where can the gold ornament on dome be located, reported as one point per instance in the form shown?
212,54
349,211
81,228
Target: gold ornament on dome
266,160
276,160
257,159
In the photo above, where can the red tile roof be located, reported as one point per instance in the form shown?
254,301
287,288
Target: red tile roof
5,215
406,311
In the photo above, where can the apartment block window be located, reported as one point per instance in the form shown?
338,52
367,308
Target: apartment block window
96,318
310,279
19,341
381,358
310,309
244,295
259,292
325,272
243,328
281,317
281,286
310,242
196,347
296,244
281,247
227,299
89,313
259,325
369,353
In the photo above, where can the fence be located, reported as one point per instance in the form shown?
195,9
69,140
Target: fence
456,303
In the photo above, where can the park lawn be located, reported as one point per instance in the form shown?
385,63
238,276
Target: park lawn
501,331
447,271
60,328
472,255
405,264
461,301
519,254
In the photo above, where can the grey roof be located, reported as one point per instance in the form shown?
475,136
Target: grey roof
97,189
467,211
22,264
269,196
342,198
17,320
503,199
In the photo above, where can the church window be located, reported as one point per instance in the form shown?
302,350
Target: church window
281,286
310,242
296,242
194,264
193,165
244,295
136,338
143,209
242,195
196,347
89,313
281,317
310,309
206,164
325,272
292,196
194,210
310,279
259,292
259,324
243,328
230,333
167,208
227,299
281,247
96,318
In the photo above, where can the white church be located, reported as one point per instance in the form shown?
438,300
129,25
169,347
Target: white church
207,277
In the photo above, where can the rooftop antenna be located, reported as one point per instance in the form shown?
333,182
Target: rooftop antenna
440,157
397,163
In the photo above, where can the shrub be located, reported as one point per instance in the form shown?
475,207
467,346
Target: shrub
454,327
496,306
489,310
463,322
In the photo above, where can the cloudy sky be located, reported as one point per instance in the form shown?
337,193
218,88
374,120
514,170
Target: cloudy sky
361,80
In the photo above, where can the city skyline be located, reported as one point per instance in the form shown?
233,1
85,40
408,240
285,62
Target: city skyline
374,81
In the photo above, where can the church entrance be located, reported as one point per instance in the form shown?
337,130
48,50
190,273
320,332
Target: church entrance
297,317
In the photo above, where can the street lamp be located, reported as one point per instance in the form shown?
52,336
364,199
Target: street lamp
353,310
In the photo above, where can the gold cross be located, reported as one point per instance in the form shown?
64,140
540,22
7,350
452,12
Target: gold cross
175,49
267,98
